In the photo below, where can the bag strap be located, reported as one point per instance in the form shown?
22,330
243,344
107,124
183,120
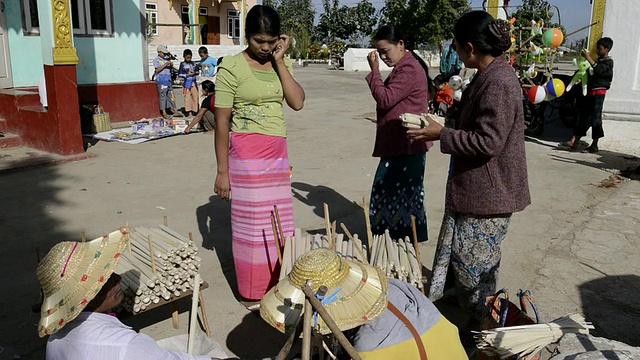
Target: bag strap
412,329
527,295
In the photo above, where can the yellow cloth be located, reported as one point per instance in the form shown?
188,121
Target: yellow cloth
255,96
442,342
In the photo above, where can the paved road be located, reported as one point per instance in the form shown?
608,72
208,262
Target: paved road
576,247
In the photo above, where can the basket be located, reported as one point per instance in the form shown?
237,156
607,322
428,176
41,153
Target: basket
101,120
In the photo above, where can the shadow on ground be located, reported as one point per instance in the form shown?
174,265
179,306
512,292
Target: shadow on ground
29,229
266,343
611,304
214,224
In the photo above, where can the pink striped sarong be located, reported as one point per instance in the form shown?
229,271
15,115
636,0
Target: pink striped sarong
259,177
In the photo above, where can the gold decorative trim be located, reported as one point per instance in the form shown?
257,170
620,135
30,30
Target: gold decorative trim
493,7
597,29
63,51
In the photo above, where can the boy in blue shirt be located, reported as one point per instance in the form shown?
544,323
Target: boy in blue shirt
207,67
187,72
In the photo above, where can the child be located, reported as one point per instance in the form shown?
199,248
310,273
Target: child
597,86
163,81
206,109
187,72
444,99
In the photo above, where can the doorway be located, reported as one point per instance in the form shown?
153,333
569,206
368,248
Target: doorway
5,60
213,30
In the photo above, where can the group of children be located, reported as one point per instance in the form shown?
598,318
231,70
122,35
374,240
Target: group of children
198,86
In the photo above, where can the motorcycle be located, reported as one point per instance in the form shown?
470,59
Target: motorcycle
337,60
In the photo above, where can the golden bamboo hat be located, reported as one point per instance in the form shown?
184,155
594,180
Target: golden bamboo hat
356,292
72,274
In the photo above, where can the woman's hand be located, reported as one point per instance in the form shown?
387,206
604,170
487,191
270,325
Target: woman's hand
222,186
374,63
281,48
429,133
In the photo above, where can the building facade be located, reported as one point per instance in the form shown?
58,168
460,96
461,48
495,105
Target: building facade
84,52
219,22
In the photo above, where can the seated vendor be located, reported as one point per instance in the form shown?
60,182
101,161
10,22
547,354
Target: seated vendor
80,289
206,109
380,311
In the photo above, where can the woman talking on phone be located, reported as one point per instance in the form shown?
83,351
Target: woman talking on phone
252,157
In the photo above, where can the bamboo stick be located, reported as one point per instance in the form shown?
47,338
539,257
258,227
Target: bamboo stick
174,234
275,238
317,305
153,261
275,210
333,233
194,315
306,326
417,248
327,223
367,223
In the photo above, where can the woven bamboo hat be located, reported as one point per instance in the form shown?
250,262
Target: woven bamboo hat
72,274
356,292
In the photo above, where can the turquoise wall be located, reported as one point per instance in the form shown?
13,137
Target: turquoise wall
103,60
116,59
26,56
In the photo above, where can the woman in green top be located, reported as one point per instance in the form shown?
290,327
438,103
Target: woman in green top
252,158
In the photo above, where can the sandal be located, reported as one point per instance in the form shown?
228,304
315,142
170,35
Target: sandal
252,306
591,149
565,145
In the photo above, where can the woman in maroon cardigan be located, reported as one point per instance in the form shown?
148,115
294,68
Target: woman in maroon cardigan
398,188
488,173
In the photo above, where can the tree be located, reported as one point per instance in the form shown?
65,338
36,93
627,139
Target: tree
296,17
424,21
343,22
535,10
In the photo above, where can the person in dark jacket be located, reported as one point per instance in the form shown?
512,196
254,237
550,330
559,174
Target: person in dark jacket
488,172
597,86
398,187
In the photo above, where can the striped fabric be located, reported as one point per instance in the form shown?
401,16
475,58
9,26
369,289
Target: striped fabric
259,176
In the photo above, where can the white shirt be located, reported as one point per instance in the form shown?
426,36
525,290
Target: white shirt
98,336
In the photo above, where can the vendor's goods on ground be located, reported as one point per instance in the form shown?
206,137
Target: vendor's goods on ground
161,264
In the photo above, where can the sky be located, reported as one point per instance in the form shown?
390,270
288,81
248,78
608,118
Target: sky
573,13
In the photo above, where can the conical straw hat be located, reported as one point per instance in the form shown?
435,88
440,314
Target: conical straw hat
72,274
356,292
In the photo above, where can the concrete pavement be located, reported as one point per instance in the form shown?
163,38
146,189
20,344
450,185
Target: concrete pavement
576,247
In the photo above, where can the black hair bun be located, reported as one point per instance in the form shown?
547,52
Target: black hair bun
501,32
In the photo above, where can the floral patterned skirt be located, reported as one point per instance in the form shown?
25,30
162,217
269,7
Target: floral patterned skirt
468,256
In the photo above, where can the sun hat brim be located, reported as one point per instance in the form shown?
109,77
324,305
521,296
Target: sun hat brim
72,274
359,296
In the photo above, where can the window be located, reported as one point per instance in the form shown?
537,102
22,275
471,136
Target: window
233,24
151,10
185,15
31,22
202,11
91,17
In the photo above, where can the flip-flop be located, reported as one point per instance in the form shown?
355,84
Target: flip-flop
591,150
565,145
251,306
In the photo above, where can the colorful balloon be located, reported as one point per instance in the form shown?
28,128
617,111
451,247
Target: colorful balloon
537,94
555,88
552,38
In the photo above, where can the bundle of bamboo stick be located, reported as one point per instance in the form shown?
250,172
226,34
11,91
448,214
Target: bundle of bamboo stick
397,258
159,264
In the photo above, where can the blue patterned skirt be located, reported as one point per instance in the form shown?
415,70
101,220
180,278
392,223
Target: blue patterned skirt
397,193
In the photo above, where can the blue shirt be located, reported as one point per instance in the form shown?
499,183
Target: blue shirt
164,76
212,66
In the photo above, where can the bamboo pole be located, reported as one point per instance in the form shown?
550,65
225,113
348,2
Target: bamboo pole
414,229
275,210
306,326
368,224
153,260
317,305
275,238
327,223
194,314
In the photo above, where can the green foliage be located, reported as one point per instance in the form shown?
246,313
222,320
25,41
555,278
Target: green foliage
424,21
296,18
348,23
536,10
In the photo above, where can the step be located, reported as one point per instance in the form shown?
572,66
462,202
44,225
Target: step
23,96
10,141
3,126
22,157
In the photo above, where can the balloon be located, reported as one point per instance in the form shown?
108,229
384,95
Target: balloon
455,82
537,94
552,38
555,88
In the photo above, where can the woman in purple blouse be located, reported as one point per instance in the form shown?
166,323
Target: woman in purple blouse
398,188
